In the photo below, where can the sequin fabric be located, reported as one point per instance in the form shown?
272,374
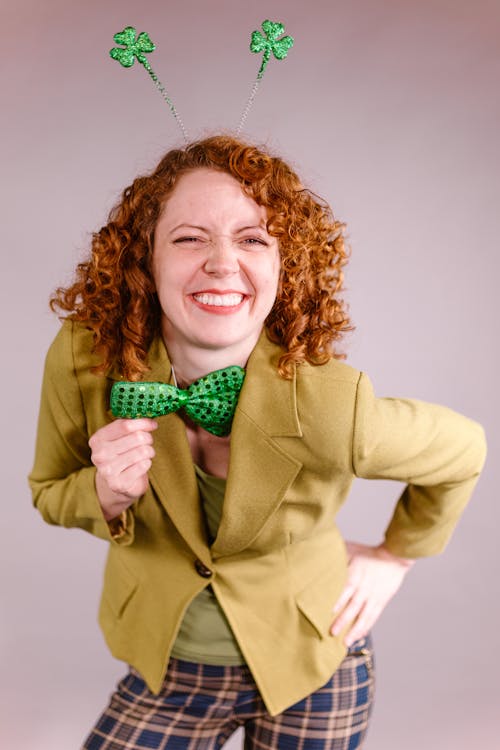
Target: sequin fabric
210,401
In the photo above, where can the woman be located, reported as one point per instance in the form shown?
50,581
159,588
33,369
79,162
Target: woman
228,589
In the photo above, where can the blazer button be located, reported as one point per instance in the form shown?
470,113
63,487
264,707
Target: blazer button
202,569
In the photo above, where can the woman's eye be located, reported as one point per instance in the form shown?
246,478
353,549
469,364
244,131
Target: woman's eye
186,240
254,241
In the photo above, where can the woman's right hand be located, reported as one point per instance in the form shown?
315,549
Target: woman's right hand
122,453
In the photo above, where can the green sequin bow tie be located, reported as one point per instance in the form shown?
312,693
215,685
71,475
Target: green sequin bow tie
210,401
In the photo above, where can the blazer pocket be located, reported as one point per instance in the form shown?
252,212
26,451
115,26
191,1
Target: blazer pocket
317,599
119,586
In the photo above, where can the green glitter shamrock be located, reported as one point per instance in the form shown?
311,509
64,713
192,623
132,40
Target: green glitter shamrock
133,47
136,48
279,47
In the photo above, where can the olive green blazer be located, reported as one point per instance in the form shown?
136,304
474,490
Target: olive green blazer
278,563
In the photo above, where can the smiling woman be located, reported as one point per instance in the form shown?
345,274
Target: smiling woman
116,295
228,589
216,271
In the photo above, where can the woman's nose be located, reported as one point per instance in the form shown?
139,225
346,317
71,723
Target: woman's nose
222,257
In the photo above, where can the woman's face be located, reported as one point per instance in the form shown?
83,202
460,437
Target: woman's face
215,266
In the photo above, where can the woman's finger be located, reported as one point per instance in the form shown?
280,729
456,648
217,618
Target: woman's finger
120,428
114,470
133,480
348,614
363,623
344,597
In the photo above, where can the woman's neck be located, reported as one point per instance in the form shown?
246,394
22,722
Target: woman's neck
192,362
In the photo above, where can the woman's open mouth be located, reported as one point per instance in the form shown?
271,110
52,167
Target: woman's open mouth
219,302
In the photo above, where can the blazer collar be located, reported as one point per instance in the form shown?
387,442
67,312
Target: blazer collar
260,470
158,361
266,397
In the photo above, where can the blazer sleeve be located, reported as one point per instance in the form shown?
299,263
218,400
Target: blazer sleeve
62,480
437,452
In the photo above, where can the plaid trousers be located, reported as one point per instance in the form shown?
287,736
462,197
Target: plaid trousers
200,706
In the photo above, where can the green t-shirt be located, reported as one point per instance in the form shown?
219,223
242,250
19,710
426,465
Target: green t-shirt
205,635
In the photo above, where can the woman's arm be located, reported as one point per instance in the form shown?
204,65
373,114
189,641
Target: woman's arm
439,454
67,488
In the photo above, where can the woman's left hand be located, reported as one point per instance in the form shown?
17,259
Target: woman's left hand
374,576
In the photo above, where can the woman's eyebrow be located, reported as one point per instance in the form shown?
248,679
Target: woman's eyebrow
188,226
262,227
238,230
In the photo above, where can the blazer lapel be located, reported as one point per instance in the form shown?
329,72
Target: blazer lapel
173,478
172,473
260,470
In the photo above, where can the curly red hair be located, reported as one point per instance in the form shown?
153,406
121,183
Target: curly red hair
114,293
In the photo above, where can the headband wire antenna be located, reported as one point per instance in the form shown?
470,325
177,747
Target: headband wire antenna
267,43
136,48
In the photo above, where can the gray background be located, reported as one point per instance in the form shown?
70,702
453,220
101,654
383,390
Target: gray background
391,111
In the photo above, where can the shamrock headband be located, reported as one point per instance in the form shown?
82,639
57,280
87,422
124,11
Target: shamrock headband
138,46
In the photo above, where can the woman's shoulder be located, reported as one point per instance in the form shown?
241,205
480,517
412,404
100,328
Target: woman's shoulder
266,357
72,347
334,370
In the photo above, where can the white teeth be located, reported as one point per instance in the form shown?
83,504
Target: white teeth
219,300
